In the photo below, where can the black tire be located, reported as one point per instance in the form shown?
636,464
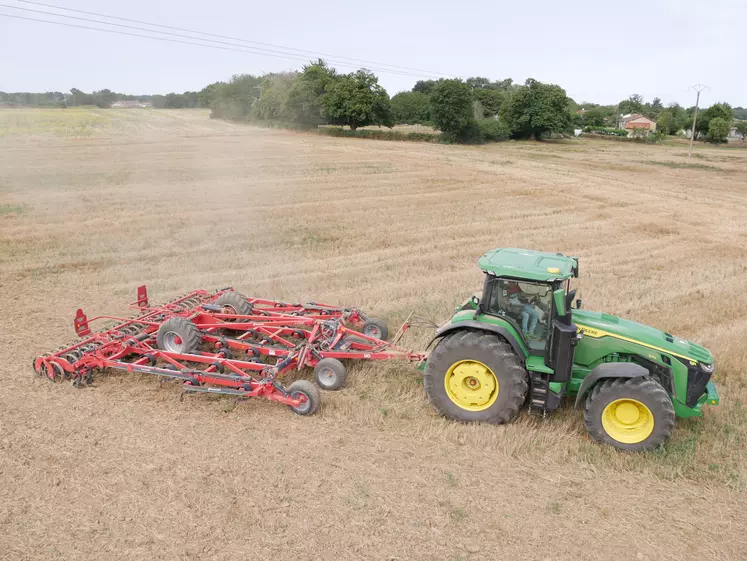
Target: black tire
644,390
234,303
375,327
492,351
308,390
178,335
330,374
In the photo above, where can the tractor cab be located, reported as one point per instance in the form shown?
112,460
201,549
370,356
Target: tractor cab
530,290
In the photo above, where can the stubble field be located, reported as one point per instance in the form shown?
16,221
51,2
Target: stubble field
95,203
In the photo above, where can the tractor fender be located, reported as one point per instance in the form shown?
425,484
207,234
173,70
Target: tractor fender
609,370
482,326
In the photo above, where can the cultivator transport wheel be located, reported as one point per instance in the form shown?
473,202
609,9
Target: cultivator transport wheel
375,327
629,413
234,303
330,374
474,376
308,393
178,335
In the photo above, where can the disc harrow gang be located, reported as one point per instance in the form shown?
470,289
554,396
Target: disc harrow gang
226,343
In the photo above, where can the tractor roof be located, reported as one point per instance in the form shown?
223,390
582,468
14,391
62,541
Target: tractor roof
528,264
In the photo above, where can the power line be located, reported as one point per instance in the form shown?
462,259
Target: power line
379,65
238,50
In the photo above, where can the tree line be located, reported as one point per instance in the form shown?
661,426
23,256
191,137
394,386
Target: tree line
473,110
470,110
101,98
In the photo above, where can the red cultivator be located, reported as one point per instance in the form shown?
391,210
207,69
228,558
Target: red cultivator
229,344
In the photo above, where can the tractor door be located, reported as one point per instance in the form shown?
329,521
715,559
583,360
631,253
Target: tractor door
563,337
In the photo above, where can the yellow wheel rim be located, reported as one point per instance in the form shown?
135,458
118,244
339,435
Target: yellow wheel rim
628,421
471,385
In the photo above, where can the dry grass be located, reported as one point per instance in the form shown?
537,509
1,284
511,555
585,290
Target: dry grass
172,199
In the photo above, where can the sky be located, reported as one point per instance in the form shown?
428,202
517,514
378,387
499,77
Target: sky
600,52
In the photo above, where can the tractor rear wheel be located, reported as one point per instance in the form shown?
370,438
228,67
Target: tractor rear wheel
474,376
178,335
629,413
234,303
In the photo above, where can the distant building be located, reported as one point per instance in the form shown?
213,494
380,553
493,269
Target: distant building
635,122
132,104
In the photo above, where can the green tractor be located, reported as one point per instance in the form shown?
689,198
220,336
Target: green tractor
524,342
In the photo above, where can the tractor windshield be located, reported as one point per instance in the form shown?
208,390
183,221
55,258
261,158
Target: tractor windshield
527,305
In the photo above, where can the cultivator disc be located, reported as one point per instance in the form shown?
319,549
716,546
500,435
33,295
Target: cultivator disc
226,343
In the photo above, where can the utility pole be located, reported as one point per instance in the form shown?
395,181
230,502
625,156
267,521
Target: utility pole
698,88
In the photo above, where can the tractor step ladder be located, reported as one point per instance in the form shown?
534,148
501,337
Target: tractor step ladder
538,393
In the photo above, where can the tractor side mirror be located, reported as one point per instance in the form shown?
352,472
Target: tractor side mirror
578,304
475,300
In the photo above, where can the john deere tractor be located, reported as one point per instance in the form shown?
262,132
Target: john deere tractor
523,341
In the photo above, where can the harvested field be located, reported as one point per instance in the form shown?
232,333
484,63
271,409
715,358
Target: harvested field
94,203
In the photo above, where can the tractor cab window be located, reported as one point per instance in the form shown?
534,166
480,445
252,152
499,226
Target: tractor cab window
527,305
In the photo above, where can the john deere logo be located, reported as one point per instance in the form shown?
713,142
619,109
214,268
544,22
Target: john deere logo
590,332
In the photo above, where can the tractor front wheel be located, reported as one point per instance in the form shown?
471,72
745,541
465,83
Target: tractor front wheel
474,376
629,413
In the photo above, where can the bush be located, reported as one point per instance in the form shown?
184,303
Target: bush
380,134
718,130
411,108
494,130
607,131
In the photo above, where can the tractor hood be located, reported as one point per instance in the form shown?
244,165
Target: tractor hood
596,324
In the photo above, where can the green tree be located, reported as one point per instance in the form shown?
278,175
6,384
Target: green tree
741,127
357,100
477,82
305,105
174,101
593,117
667,122
234,99
273,98
715,111
104,98
536,109
410,108
718,130
424,86
634,104
504,85
490,99
656,103
206,96
451,110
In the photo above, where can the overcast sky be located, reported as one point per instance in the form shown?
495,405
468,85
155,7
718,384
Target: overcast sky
598,51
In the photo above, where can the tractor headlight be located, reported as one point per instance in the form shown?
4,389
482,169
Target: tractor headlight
707,367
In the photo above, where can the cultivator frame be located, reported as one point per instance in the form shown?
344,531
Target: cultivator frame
272,337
